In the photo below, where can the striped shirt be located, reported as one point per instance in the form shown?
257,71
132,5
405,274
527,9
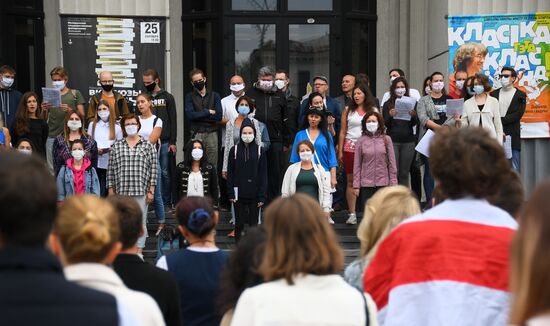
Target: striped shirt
132,170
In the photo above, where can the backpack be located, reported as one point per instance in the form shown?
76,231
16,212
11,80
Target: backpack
168,241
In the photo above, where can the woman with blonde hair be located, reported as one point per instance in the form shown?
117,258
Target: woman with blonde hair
530,267
383,212
300,266
85,237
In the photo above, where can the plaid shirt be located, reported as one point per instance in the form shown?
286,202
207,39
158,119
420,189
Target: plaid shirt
132,170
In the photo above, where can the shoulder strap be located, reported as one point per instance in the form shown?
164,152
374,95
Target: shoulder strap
365,306
155,122
315,152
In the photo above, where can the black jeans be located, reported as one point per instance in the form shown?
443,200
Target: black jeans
246,212
274,171
416,177
364,194
102,176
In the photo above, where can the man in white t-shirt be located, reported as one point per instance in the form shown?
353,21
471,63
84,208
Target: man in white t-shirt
394,73
236,85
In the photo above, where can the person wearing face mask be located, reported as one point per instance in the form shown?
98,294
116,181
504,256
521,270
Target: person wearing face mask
468,88
320,85
24,146
9,96
77,176
271,109
427,89
237,87
307,177
73,130
195,176
282,82
71,101
512,103
164,107
247,178
432,114
105,130
133,168
203,111
460,79
483,110
402,132
394,73
29,123
374,162
114,98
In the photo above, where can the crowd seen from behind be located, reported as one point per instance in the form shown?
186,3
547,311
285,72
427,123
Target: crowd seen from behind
74,221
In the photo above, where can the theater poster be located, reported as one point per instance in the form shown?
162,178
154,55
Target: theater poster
487,43
126,46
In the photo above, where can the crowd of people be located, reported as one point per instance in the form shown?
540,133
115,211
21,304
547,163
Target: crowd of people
74,212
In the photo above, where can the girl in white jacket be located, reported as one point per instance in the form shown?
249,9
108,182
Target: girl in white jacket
307,177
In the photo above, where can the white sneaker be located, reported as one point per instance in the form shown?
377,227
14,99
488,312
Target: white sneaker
330,220
352,219
232,220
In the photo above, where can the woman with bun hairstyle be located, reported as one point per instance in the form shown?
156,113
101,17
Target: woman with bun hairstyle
85,237
197,268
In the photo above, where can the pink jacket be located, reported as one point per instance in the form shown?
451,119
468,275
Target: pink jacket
374,164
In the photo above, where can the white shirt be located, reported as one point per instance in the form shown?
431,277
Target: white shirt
228,109
104,279
504,99
195,184
412,93
354,130
101,136
312,300
147,126
163,264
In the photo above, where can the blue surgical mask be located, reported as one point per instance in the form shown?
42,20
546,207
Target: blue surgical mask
478,89
244,110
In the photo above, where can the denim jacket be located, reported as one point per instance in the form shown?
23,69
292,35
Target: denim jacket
65,183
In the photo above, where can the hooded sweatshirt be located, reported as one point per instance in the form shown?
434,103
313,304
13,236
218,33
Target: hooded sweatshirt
247,169
79,176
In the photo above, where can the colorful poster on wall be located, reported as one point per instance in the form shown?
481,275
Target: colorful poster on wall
485,44
125,46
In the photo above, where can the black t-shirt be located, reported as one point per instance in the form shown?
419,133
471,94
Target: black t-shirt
480,108
441,108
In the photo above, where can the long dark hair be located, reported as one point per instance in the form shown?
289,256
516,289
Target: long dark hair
188,158
22,114
393,86
241,270
369,98
323,125
251,103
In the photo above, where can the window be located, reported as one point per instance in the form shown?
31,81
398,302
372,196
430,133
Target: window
255,47
309,5
254,5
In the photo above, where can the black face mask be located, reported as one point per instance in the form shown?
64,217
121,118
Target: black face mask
199,85
108,87
150,87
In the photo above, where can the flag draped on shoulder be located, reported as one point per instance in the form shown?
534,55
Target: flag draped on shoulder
447,266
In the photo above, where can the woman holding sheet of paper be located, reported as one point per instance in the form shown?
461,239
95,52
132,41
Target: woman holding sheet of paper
400,119
482,110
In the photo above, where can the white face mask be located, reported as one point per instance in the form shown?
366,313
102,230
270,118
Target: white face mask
58,84
438,86
505,82
131,130
7,82
265,84
400,91
427,89
460,84
247,138
78,154
103,115
236,87
372,126
25,151
280,84
197,153
74,125
306,156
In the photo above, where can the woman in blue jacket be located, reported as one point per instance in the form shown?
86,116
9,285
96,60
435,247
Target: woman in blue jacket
77,176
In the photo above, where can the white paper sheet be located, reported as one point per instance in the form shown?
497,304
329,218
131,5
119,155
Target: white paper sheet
51,96
508,146
403,106
455,106
423,146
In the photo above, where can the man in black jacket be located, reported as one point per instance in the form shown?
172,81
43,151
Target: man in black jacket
271,109
137,274
512,104
282,82
33,289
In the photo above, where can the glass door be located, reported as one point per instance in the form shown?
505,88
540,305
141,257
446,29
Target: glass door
255,47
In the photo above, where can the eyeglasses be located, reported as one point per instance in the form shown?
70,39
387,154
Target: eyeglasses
505,76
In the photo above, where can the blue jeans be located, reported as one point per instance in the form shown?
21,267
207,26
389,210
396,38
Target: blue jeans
516,160
158,204
429,183
164,172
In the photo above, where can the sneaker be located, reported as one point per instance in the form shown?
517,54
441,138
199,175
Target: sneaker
352,219
330,220
232,220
